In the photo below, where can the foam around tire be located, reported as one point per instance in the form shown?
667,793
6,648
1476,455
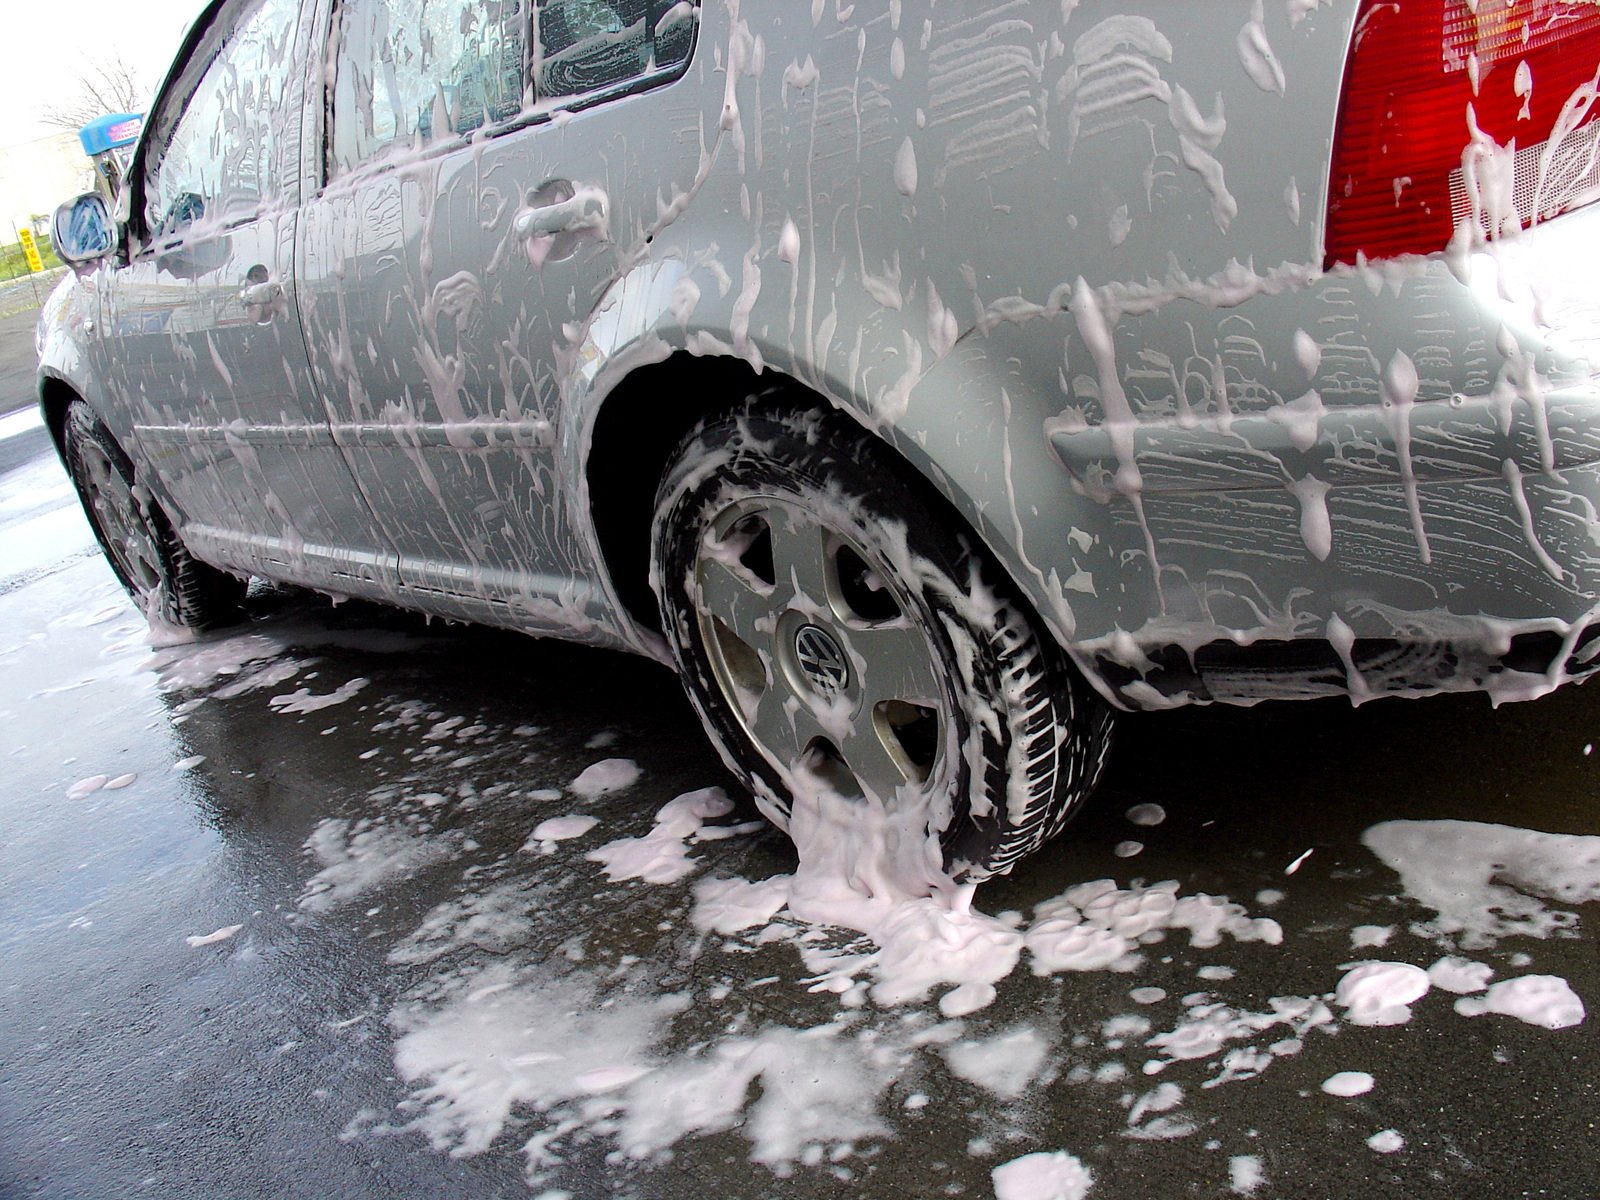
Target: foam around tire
828,613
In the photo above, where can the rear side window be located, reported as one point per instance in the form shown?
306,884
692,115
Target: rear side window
218,149
408,71
592,45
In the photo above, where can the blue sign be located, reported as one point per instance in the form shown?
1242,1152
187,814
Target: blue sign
110,132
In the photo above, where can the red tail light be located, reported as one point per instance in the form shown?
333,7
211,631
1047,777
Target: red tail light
1421,74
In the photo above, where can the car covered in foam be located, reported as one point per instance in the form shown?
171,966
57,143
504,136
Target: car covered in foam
923,381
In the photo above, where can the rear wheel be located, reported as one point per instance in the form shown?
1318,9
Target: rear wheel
834,625
145,555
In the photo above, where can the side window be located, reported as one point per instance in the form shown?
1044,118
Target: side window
592,45
409,68
218,157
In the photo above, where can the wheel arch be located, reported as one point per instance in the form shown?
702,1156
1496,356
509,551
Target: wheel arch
55,397
951,442
633,434
666,345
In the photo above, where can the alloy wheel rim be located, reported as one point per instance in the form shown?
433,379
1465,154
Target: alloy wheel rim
126,530
819,652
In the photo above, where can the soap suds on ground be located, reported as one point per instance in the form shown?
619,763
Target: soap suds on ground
911,977
497,1041
355,857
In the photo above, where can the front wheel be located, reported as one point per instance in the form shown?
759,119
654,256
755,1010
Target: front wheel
836,629
147,558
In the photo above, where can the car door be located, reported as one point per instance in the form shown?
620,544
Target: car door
467,227
203,329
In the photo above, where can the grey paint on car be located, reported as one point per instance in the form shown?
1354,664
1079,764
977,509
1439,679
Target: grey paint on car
1064,260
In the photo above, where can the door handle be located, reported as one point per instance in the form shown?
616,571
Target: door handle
258,295
585,211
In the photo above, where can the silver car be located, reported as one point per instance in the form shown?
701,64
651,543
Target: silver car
924,381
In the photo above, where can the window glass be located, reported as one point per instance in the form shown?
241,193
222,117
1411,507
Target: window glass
406,68
591,45
409,67
220,157
674,24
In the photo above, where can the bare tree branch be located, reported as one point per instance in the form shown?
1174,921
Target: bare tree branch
110,86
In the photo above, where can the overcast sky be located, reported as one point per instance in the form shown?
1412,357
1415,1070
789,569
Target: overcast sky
45,67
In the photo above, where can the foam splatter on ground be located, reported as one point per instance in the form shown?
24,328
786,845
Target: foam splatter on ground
588,1053
353,858
506,1042
807,1019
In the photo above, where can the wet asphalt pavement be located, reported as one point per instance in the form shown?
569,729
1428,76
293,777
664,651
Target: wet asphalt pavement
355,791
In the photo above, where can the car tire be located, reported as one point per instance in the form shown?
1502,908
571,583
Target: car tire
165,581
833,620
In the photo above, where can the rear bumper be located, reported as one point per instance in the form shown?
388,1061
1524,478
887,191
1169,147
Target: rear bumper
1513,661
1269,463
1399,494
1488,584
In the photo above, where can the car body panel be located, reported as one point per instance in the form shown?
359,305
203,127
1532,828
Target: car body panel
1066,259
453,399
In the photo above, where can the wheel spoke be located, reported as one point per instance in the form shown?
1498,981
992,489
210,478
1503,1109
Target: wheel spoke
799,558
100,470
877,770
896,664
731,597
142,551
128,537
783,725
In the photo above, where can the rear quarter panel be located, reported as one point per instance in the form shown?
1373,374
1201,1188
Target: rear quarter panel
900,205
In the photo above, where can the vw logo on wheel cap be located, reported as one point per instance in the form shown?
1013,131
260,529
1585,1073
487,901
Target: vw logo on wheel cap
821,660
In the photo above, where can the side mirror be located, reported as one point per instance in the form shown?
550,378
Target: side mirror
83,230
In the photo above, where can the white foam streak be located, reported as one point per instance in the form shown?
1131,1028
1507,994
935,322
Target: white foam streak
815,1089
1543,1000
209,939
1460,975
1006,1064
1245,1174
1042,1176
559,829
662,855
1486,882
607,775
303,700
504,1038
1381,993
356,858
1348,1083
497,1042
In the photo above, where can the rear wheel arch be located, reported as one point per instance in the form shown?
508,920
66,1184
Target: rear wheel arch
639,425
641,420
631,440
